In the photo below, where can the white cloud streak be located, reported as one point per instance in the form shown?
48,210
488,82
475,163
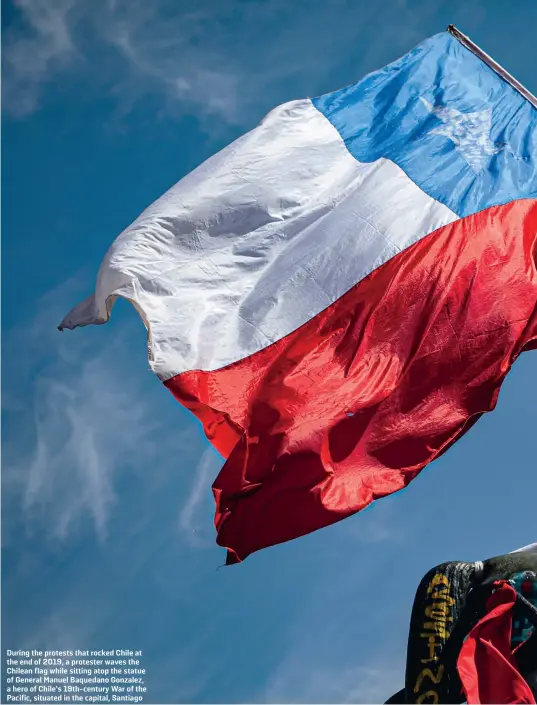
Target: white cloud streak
311,682
229,61
82,417
329,664
326,660
36,48
94,428
194,518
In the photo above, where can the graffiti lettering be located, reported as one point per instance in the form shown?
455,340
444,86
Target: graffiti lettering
427,673
436,628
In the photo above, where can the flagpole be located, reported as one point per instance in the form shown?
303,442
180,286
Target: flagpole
469,44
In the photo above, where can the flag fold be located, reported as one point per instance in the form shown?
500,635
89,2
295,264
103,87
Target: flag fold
339,294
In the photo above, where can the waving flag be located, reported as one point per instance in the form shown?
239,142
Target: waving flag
339,294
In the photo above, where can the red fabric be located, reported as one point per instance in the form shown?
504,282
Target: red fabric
486,666
352,405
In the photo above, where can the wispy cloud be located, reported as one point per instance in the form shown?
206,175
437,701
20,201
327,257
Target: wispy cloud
169,53
81,417
312,682
228,60
194,518
376,525
342,671
37,47
325,660
98,463
154,51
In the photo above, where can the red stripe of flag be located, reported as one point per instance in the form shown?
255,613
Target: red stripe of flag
352,405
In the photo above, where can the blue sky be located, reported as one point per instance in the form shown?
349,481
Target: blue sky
107,512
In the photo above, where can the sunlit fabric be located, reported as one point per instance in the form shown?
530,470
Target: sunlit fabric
351,406
339,294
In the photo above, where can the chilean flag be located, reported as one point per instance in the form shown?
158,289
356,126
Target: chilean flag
339,294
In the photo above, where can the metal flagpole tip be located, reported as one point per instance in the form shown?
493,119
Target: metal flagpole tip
494,65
